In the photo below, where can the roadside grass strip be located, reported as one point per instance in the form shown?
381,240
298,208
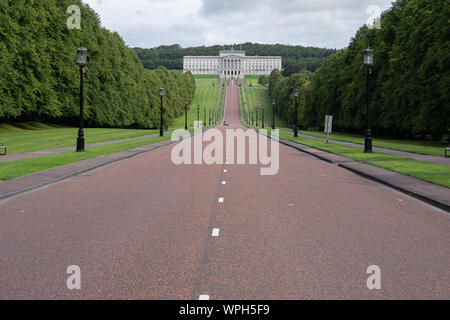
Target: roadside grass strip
431,172
414,146
206,96
23,167
34,136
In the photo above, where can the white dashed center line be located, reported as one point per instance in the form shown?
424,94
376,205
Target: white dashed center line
225,171
215,232
224,182
221,200
203,297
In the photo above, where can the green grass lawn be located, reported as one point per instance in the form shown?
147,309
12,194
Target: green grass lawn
258,96
252,80
432,172
415,146
28,137
206,95
19,168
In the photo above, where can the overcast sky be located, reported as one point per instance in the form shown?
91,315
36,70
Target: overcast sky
318,23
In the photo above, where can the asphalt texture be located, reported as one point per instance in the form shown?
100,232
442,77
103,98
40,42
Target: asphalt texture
143,228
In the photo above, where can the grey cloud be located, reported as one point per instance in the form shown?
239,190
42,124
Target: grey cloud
322,23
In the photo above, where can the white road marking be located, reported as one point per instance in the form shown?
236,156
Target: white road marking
221,200
224,182
215,232
225,171
203,297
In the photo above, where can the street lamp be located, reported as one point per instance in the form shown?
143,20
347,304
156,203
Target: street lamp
161,129
204,116
273,114
82,63
296,95
368,62
186,102
198,114
262,116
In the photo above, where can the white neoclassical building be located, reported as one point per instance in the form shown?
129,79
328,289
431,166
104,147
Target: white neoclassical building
231,64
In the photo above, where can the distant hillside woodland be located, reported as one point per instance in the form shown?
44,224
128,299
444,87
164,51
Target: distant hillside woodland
39,78
409,85
295,58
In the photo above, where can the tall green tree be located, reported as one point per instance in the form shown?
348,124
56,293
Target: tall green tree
39,79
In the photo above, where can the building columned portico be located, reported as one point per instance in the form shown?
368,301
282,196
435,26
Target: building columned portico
231,64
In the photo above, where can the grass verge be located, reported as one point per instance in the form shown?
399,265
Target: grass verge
206,96
258,96
431,172
34,136
414,146
19,168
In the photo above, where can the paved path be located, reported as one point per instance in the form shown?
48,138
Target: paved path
143,229
416,156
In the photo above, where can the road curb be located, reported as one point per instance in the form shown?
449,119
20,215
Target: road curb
346,163
131,153
81,171
435,202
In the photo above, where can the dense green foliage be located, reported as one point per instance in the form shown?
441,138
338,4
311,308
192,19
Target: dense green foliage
263,80
281,89
295,58
409,84
39,79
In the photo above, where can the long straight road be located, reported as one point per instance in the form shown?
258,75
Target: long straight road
143,229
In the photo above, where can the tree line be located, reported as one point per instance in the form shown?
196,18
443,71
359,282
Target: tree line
409,84
295,58
39,78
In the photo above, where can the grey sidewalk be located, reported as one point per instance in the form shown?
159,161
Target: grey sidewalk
416,156
28,155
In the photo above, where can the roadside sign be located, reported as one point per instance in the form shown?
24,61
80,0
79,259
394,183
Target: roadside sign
328,126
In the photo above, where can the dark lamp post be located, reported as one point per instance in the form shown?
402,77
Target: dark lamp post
296,95
82,63
186,102
262,110
368,62
273,115
161,95
198,114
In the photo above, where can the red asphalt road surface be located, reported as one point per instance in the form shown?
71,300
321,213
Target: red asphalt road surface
142,229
